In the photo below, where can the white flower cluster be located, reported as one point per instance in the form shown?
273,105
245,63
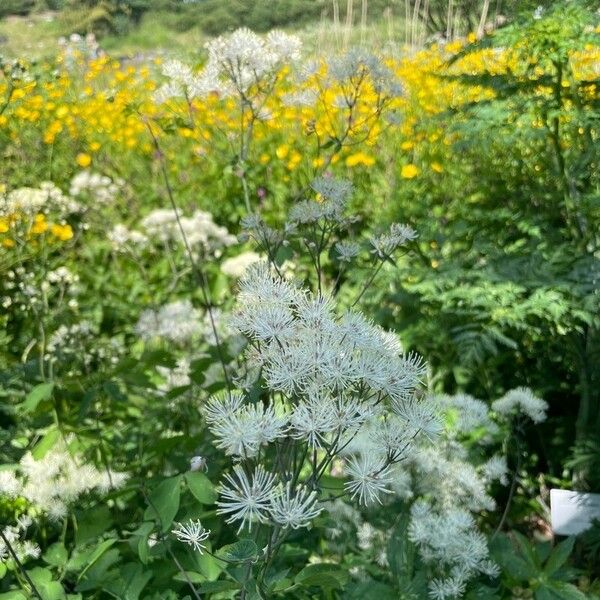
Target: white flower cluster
122,238
328,377
178,322
24,549
243,58
99,189
398,234
357,65
449,540
450,485
236,266
235,62
80,346
521,401
200,230
62,276
259,498
184,83
467,414
55,481
30,201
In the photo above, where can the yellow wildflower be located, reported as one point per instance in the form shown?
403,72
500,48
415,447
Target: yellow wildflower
437,167
83,160
62,232
39,225
359,158
282,151
409,171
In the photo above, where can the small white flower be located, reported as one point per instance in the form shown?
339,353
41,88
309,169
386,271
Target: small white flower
192,533
295,508
369,478
246,500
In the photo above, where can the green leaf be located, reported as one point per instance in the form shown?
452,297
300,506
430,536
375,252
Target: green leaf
559,590
164,502
559,556
92,523
143,531
201,487
87,559
209,566
213,587
401,552
241,551
40,392
323,575
49,439
372,590
13,596
190,576
512,563
48,589
56,555
132,581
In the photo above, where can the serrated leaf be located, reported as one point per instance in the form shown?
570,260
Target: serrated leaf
559,556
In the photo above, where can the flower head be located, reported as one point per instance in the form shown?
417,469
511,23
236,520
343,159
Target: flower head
192,533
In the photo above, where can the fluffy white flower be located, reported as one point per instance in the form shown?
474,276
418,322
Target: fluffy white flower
9,484
237,265
522,400
246,499
200,231
293,508
121,237
369,478
177,321
496,469
99,189
55,481
192,533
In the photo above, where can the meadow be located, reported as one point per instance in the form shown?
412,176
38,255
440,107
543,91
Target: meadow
299,314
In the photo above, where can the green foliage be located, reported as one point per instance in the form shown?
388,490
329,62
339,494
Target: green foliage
506,289
536,567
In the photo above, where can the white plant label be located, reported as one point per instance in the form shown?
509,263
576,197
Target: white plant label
573,512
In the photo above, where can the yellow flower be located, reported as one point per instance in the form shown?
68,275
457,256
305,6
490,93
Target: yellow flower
407,145
409,171
62,232
4,226
264,158
282,151
435,166
83,160
359,158
39,225
8,243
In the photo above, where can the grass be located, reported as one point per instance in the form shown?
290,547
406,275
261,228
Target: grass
35,37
